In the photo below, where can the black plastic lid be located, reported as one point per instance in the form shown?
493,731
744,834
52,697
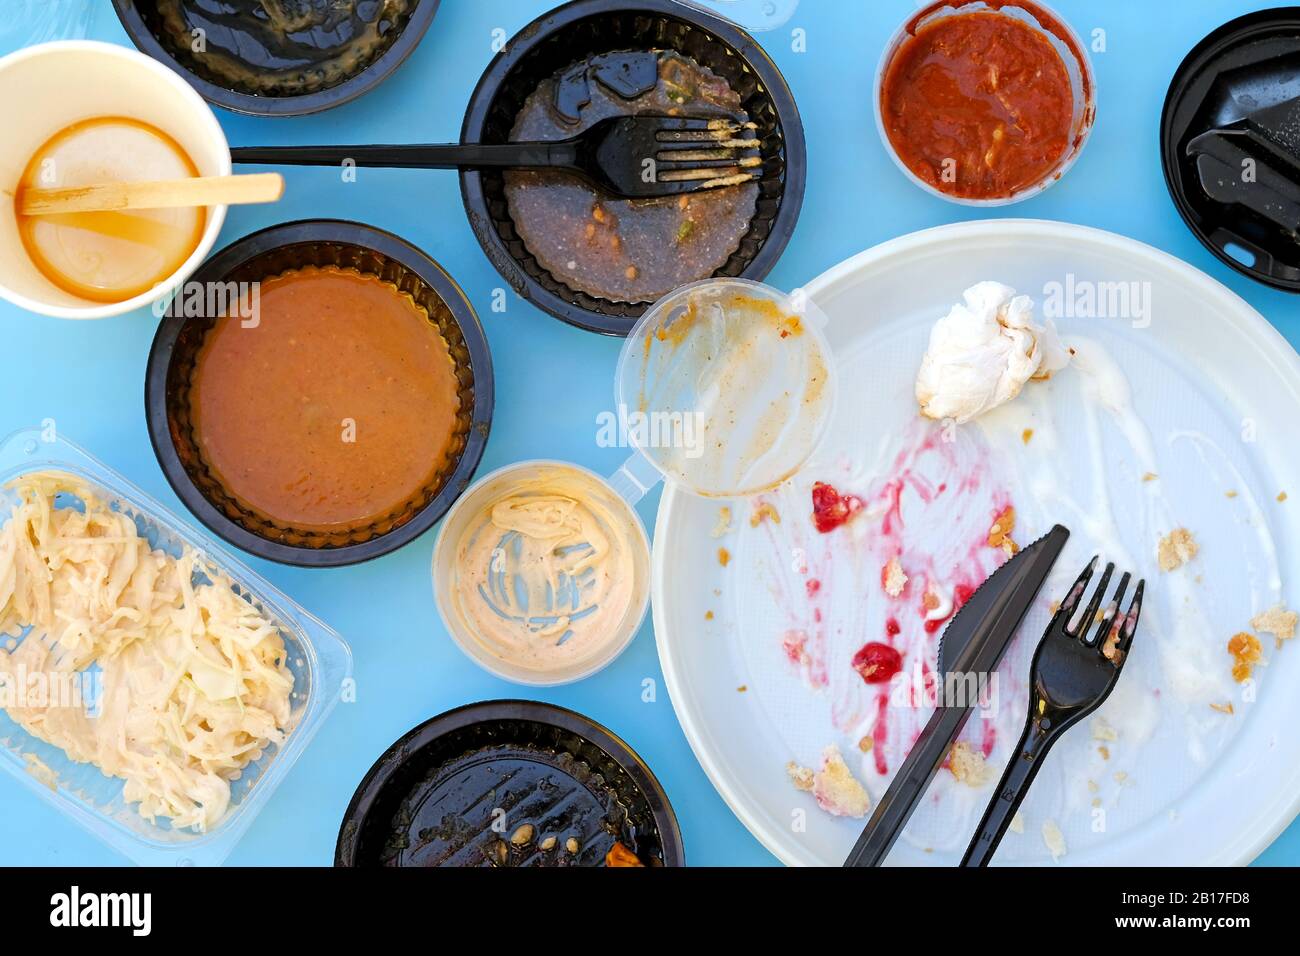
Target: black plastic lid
1230,144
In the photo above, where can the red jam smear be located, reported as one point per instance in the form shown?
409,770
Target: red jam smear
830,508
877,663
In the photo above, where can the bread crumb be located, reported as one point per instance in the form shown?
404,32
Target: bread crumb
835,788
723,525
1000,531
724,557
1176,549
1277,621
708,615
1223,708
764,512
1104,751
892,578
1027,434
1017,824
968,765
1096,801
1054,839
801,777
1121,777
1149,476
1246,653
865,744
1281,496
1101,730
742,688
1230,494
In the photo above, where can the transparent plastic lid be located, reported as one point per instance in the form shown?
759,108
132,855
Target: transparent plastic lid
726,387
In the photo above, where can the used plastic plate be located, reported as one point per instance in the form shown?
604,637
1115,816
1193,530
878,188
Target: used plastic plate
1183,783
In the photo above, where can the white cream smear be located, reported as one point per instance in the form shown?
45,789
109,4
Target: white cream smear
550,569
1082,465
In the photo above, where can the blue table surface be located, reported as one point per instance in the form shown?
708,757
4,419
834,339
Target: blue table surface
552,380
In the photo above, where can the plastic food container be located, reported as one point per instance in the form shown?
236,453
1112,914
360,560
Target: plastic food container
725,386
333,67
1042,19
438,796
585,28
316,242
318,658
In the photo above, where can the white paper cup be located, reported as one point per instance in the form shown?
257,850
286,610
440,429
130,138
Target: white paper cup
46,88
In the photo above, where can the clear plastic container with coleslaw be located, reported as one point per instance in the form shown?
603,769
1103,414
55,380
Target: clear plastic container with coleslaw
317,657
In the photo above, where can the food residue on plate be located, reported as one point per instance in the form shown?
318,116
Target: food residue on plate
625,250
892,578
968,765
723,527
983,352
1000,531
1246,653
833,786
1277,621
764,511
1054,840
195,681
1176,549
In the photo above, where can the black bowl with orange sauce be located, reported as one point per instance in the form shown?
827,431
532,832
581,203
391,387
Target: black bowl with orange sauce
298,433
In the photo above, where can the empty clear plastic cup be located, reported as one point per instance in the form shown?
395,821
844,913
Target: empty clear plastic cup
541,571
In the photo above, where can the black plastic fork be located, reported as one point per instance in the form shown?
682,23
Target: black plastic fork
629,156
1073,672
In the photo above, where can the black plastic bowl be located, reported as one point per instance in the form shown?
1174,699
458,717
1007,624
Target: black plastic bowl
588,27
145,25
434,796
271,251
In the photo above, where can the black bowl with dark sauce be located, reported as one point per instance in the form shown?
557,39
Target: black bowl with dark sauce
589,53
278,57
508,783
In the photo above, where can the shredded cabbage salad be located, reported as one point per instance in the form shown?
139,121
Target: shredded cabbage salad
194,679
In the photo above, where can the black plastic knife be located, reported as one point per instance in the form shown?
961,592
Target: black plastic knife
972,645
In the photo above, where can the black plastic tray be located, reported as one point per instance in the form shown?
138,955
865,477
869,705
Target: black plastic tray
587,27
272,250
143,24
1248,64
434,796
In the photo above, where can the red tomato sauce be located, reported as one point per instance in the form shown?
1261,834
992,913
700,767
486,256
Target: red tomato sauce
978,105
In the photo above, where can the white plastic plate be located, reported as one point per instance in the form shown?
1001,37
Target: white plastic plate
1215,391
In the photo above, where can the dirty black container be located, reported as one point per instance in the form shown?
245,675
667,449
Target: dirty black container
1240,83
325,53
585,28
455,791
317,242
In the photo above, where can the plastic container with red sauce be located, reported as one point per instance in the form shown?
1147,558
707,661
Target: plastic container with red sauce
985,103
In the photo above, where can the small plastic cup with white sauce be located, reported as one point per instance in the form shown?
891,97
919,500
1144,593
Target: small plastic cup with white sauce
541,571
